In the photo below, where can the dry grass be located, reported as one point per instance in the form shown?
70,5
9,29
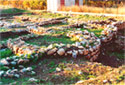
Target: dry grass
119,10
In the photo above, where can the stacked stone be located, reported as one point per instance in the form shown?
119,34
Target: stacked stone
16,73
52,21
22,18
76,25
34,19
108,33
88,46
89,41
120,25
10,25
38,30
20,47
14,66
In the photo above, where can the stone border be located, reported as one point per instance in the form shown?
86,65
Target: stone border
27,52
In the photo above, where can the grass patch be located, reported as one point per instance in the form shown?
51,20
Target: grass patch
97,32
13,10
2,29
12,81
61,24
48,39
5,53
119,55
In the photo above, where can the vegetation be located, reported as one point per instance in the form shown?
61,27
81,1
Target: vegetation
99,6
5,53
94,9
48,39
25,4
59,70
13,10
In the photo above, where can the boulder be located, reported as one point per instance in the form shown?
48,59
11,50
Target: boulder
51,52
61,51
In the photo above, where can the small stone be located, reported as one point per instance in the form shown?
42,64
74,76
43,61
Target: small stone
81,47
69,52
33,73
68,69
83,42
8,59
23,70
13,63
80,82
10,75
81,52
58,69
21,66
16,75
61,51
15,70
86,52
4,62
29,68
1,83
74,54
50,46
77,44
104,81
1,73
26,60
80,72
51,52
32,80
86,32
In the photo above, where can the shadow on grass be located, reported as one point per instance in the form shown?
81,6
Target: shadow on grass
12,12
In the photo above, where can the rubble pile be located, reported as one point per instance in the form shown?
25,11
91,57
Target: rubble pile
10,25
38,20
52,21
39,30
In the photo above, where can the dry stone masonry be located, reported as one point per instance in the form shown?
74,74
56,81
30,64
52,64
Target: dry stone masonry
86,45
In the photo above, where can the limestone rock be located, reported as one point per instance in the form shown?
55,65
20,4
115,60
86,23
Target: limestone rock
4,62
61,51
50,52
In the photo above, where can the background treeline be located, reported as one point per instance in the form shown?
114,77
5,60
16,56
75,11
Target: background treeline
26,4
104,3
42,4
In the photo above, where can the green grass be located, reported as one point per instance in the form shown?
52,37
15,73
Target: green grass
97,32
12,11
48,39
2,29
23,81
45,15
89,17
56,25
119,55
5,53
